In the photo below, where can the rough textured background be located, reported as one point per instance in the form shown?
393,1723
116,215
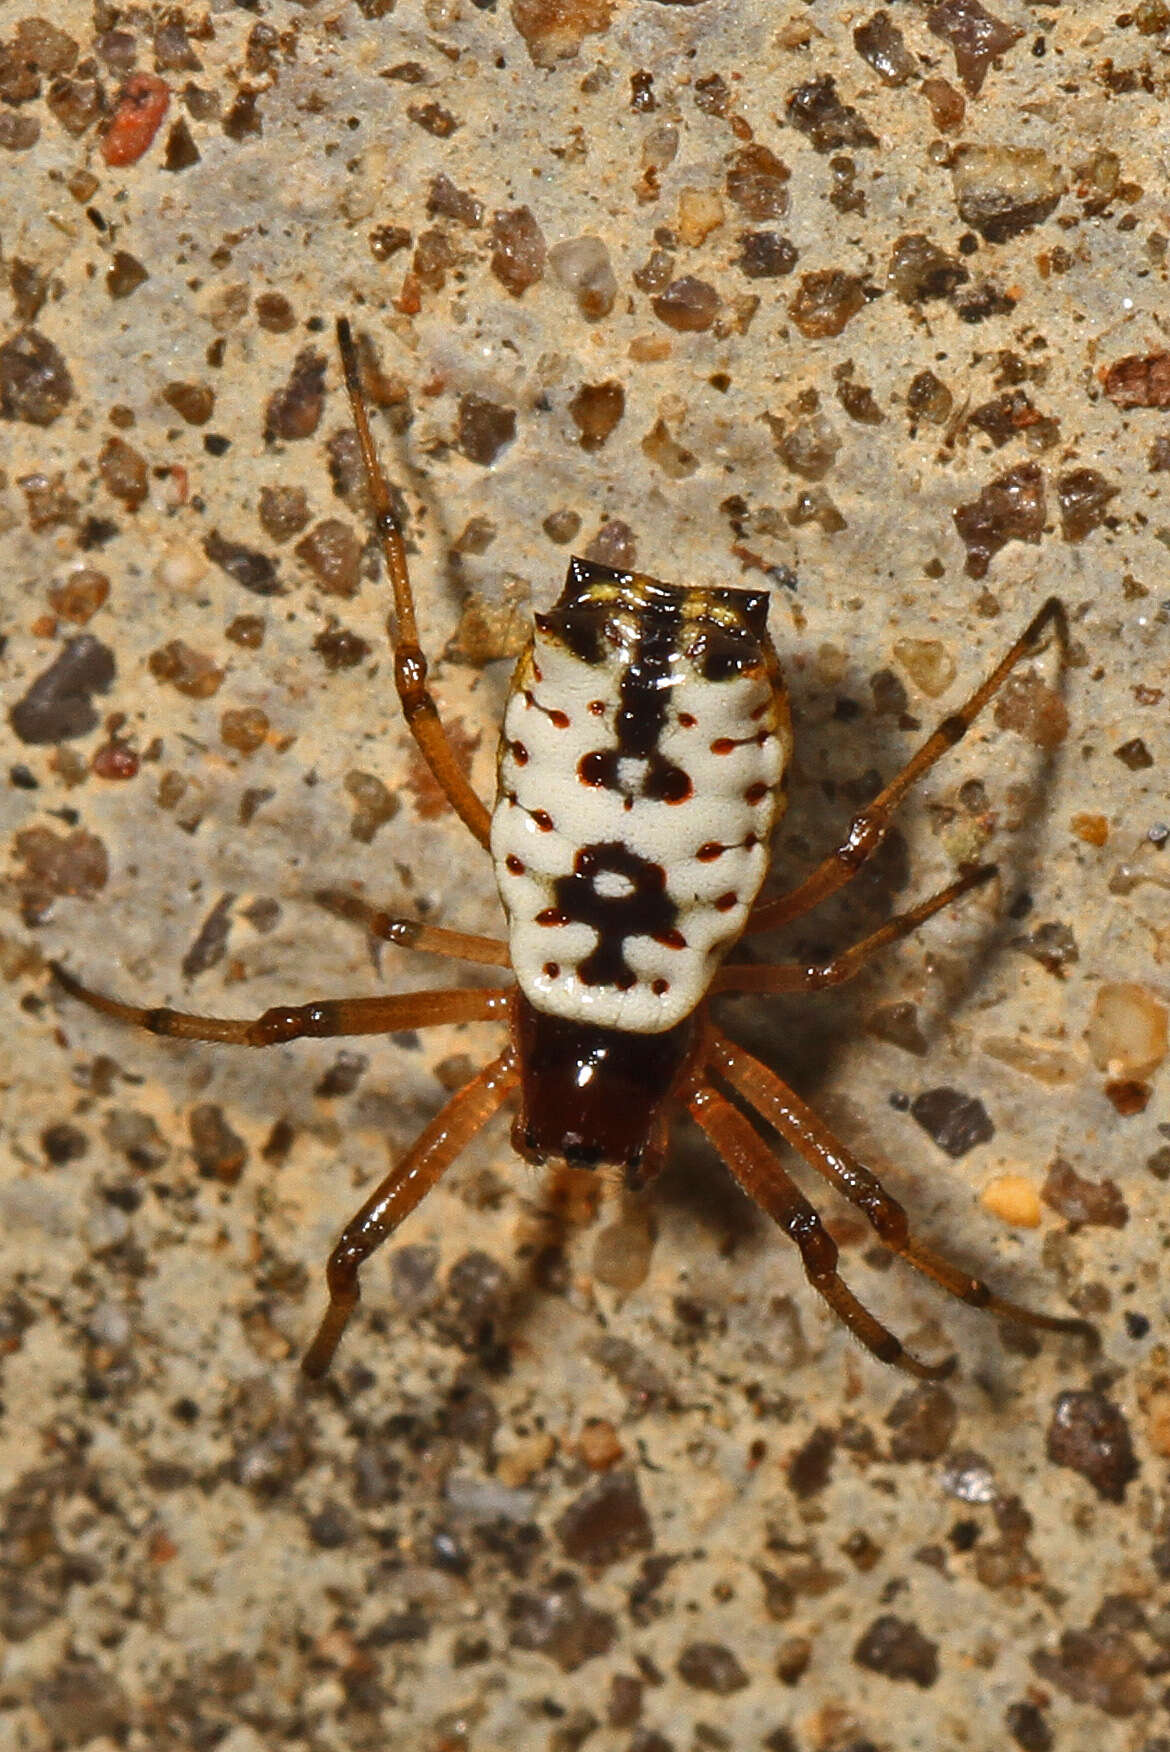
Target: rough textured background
601,1479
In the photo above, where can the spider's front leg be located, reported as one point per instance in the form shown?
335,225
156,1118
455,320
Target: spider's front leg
320,1019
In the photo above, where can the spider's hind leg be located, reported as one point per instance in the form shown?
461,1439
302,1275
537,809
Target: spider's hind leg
800,1127
752,1161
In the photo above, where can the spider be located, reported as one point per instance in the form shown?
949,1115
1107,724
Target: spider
641,769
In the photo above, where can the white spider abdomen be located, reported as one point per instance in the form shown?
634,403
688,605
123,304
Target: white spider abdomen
641,770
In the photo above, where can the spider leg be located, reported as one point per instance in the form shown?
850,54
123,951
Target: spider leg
322,1018
869,829
410,664
811,978
412,933
754,1165
406,1185
799,1126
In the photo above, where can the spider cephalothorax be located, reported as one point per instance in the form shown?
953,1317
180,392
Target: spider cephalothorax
641,770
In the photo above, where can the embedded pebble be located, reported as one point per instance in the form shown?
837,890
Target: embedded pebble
35,385
688,305
919,270
333,554
1082,1201
928,663
607,1522
58,706
896,1648
294,411
976,36
374,805
558,1621
1011,507
1012,1198
1002,191
485,429
1083,496
1127,1031
583,267
923,1421
554,30
1140,380
191,672
815,110
881,43
1031,708
757,183
710,1666
595,410
248,566
1089,1434
1100,1667
825,301
519,251
956,1122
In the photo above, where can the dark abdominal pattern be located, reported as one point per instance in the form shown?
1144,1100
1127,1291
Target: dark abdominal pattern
644,910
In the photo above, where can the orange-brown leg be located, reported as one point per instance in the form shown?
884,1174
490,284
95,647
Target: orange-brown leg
410,665
412,933
322,1018
814,976
869,829
799,1126
406,1185
754,1165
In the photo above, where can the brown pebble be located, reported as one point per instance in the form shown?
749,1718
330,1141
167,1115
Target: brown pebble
688,305
881,43
1089,1434
757,182
81,595
923,1421
815,110
919,270
58,706
1002,191
374,805
125,274
294,411
554,30
1100,1667
1081,1201
124,472
35,385
824,302
975,35
191,672
596,410
338,648
1083,495
284,511
1034,710
244,729
710,1666
556,1620
1140,380
896,1648
333,554
219,1152
518,250
485,429
956,1122
248,566
1010,508
210,944
607,1522
75,864
193,402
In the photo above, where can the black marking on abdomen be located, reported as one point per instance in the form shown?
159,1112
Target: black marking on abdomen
647,911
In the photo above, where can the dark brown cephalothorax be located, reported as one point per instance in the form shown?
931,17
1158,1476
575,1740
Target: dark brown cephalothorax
642,766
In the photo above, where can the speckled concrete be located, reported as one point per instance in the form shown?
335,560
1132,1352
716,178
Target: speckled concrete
607,1479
